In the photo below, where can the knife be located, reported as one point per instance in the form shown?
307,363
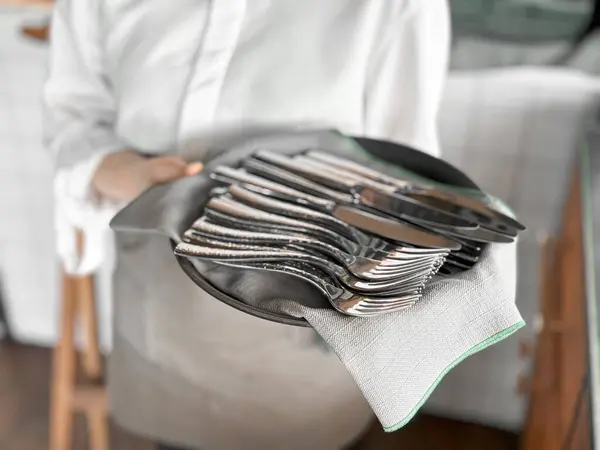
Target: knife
383,199
480,235
402,232
440,198
391,229
343,216
368,184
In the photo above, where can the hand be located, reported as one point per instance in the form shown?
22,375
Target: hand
125,175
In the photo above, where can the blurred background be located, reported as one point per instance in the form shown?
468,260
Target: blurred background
520,98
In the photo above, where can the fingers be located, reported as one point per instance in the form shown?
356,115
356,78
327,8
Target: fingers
194,169
163,169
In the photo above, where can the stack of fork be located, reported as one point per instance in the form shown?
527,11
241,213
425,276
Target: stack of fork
368,242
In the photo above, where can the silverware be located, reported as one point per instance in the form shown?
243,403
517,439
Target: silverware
375,195
227,212
406,262
277,223
193,237
402,232
198,237
391,229
383,202
444,199
360,266
481,235
342,300
274,255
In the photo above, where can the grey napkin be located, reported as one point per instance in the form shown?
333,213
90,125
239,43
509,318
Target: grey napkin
398,359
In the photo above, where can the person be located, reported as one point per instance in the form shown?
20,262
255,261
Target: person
132,85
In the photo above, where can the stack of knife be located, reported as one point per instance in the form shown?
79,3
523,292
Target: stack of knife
369,242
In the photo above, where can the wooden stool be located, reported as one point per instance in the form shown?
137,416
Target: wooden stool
69,393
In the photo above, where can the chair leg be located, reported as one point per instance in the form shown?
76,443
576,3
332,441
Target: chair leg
92,402
98,430
64,372
91,358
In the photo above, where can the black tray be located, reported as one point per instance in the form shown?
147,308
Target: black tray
173,208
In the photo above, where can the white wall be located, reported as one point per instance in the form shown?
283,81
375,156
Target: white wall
28,266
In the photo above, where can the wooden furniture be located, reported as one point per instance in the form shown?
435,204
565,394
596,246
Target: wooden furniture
28,3
37,32
76,388
78,391
562,401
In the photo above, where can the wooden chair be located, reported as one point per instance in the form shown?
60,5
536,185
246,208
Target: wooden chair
78,388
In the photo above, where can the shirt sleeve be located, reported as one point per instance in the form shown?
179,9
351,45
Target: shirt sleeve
79,115
406,76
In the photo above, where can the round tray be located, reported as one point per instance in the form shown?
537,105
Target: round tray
399,155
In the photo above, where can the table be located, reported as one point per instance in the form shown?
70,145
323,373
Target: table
564,409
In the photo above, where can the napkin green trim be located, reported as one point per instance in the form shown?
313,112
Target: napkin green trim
482,345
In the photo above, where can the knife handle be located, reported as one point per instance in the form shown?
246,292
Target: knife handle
290,178
353,167
232,176
340,184
337,173
231,207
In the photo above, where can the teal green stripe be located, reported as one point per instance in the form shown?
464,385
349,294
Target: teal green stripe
489,341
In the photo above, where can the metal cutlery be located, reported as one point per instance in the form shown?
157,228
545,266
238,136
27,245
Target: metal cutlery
375,195
231,207
400,265
369,242
191,236
396,230
377,199
440,198
269,255
344,301
360,266
481,235
261,199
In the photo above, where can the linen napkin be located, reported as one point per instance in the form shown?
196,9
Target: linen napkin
398,359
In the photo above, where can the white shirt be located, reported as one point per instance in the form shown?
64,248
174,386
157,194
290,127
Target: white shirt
154,76
161,76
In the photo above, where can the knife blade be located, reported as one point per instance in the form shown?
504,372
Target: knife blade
480,235
392,229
